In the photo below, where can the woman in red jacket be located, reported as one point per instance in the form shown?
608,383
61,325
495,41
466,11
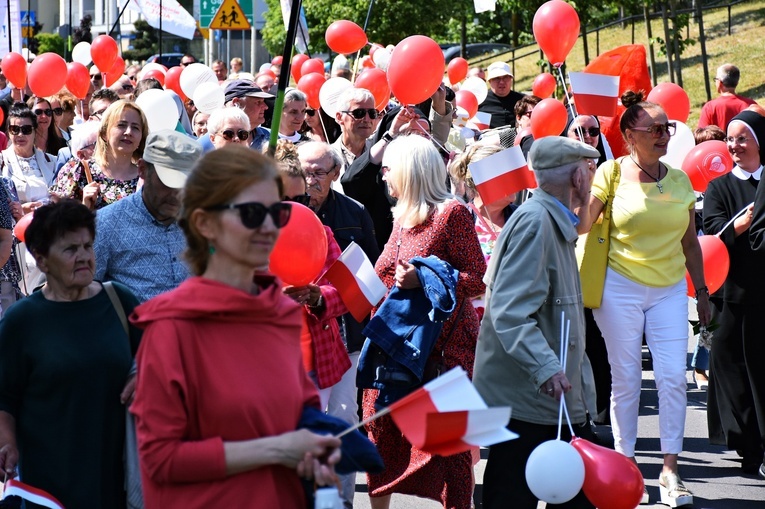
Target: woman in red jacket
221,385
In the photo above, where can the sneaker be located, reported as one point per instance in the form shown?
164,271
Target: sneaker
646,499
673,491
762,470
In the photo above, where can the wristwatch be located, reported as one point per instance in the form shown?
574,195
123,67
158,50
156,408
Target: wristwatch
387,137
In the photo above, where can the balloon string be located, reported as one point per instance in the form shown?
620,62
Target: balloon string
565,334
323,127
430,137
570,103
740,212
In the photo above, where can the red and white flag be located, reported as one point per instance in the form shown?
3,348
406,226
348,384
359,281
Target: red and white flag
481,121
595,94
34,495
502,174
357,282
447,416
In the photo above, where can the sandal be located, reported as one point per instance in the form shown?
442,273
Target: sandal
673,491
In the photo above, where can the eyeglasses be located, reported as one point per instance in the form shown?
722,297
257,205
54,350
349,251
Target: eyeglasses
310,112
359,113
97,115
657,130
526,114
184,64
303,199
318,175
96,77
127,88
253,214
738,140
592,132
229,134
23,129
47,112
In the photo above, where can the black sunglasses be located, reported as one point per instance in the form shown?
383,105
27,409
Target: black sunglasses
47,112
58,111
593,132
359,113
310,112
253,214
23,129
303,199
229,134
96,77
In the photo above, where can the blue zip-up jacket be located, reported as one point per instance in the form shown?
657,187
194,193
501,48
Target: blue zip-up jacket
404,330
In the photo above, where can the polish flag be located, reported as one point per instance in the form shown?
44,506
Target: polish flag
30,493
595,94
356,280
481,121
502,174
447,416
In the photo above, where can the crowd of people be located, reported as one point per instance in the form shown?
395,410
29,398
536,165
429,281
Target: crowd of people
151,251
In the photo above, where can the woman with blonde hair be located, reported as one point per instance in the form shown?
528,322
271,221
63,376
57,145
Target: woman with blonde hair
221,385
112,172
428,221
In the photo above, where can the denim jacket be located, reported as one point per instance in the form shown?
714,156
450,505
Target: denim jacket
404,330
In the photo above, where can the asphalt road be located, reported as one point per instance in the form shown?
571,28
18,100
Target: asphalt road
711,473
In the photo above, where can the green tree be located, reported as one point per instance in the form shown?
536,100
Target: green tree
82,32
52,43
145,44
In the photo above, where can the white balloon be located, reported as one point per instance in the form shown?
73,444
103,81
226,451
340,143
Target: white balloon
381,58
81,53
148,67
159,108
330,92
208,97
477,86
193,76
679,145
554,472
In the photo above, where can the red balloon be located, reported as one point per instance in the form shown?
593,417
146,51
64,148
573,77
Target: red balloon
47,74
21,227
457,70
301,249
673,99
549,118
310,84
157,75
15,69
367,62
376,81
297,62
312,65
118,69
374,47
103,52
277,60
716,264
416,69
345,37
707,161
77,79
544,85
611,481
173,81
556,29
467,100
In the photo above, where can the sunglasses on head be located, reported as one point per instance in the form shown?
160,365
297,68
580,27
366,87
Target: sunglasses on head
359,113
253,214
23,129
230,134
48,112
303,199
310,112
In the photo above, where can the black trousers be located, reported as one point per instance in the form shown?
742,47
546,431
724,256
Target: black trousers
504,480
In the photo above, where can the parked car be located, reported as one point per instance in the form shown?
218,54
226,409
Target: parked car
168,59
476,50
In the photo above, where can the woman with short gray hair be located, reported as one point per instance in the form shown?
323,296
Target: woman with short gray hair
293,116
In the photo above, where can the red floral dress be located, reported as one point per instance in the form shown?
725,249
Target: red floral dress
450,235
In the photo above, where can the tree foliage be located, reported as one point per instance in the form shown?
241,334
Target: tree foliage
82,32
145,44
52,43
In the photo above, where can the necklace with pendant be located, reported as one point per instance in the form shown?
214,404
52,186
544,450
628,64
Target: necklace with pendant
658,184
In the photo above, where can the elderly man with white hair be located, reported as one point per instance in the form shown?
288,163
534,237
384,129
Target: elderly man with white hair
532,280
228,125
358,119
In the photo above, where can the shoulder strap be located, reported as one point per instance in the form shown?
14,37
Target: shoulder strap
112,293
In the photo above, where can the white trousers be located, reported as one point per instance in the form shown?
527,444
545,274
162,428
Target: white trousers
628,311
340,401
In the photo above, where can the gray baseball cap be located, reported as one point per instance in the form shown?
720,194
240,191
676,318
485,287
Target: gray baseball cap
555,151
173,155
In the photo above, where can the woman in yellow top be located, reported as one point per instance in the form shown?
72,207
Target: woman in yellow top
653,241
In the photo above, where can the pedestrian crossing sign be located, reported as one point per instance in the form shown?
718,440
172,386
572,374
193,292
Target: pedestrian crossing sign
230,16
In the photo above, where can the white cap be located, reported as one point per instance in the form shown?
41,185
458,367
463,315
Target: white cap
498,69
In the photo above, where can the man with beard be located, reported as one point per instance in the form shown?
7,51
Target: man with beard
358,119
138,242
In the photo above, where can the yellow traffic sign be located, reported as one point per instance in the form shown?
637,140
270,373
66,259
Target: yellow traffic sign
230,16
204,32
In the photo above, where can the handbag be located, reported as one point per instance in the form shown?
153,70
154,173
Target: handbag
132,468
595,260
